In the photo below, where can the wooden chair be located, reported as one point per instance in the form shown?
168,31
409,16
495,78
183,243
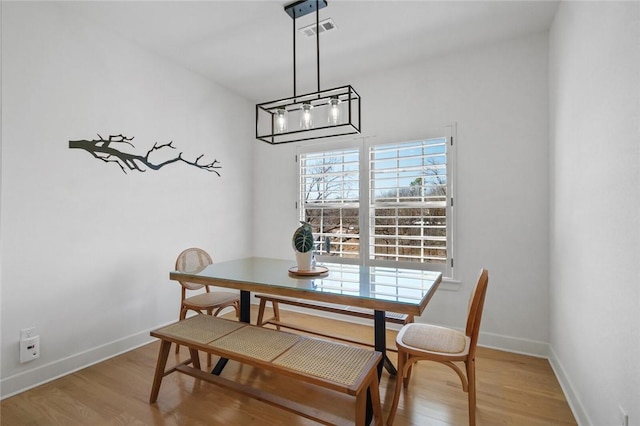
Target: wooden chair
417,342
193,260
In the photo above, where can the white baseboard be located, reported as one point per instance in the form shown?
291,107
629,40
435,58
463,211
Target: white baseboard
29,379
514,344
42,374
575,404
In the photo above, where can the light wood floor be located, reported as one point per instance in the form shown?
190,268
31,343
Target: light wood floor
512,390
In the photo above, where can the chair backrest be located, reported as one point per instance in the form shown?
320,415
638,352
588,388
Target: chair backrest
476,305
192,260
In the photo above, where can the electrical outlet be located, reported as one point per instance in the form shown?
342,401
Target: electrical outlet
29,349
623,418
27,333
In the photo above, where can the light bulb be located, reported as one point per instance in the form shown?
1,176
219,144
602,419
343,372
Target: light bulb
334,111
280,120
306,118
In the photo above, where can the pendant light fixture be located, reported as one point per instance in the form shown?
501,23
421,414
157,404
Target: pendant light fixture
321,114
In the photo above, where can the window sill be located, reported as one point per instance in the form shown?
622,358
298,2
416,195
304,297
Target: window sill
449,284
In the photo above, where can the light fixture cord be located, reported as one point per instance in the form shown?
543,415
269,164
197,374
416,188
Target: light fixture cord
294,54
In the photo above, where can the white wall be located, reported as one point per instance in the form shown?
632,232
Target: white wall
87,249
595,207
499,98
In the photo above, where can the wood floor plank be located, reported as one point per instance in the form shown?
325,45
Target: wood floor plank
512,389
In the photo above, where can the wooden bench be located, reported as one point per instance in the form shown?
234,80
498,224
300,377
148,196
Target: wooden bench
339,367
390,317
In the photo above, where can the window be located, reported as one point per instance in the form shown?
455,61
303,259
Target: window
387,204
330,194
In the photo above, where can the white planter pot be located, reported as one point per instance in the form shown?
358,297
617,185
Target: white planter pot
304,260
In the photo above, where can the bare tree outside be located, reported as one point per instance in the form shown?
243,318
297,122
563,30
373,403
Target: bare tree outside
330,189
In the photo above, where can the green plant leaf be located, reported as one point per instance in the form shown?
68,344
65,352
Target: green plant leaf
303,238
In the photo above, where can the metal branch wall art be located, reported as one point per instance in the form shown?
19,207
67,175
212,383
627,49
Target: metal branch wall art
108,151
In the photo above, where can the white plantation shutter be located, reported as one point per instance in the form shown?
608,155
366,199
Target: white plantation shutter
330,194
408,201
387,204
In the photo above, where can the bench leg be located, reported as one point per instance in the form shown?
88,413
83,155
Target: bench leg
181,316
276,313
163,354
195,358
361,408
259,321
368,404
374,389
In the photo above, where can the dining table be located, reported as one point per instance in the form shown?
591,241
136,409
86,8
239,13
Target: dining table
379,288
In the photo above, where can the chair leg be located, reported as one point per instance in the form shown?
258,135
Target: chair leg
402,359
407,376
210,312
471,377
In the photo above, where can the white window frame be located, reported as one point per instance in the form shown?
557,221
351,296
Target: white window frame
363,145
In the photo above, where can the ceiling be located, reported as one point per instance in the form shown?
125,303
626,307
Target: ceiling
247,46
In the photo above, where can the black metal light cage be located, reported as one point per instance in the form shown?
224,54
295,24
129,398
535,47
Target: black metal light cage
349,100
349,125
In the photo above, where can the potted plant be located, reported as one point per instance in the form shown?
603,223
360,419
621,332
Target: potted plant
302,242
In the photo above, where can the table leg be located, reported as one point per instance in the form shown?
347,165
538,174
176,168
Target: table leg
380,336
389,365
245,316
245,306
380,344
219,366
